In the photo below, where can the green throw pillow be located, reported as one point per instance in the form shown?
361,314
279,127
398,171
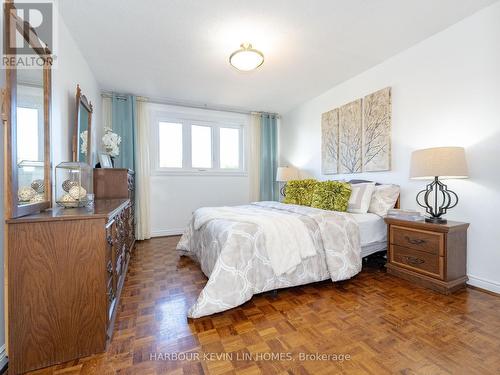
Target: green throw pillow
300,191
331,195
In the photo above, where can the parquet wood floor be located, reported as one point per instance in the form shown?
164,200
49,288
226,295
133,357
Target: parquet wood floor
385,324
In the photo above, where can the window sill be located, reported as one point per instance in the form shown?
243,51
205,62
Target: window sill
195,172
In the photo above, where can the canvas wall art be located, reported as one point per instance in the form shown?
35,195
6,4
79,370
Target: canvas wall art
329,141
357,136
350,138
377,131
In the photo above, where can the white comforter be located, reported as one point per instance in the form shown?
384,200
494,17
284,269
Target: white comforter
287,240
234,254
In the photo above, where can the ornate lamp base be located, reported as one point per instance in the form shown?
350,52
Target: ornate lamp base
443,200
282,190
435,220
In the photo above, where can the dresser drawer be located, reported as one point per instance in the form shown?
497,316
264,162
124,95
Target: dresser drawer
419,261
429,242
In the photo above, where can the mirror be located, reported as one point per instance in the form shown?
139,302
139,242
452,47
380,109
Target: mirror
27,104
82,135
30,136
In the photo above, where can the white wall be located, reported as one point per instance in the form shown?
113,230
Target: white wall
446,91
174,197
71,69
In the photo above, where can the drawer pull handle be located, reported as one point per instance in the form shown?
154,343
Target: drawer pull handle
415,241
111,296
413,260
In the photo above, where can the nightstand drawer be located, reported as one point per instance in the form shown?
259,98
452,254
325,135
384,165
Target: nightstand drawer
419,261
429,242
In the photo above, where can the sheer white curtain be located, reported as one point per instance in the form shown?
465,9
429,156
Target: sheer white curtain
254,159
142,172
107,111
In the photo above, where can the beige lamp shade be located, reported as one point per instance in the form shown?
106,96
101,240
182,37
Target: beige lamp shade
286,174
445,162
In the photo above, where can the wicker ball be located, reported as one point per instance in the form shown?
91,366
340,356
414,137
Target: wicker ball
77,192
38,186
26,193
37,198
68,184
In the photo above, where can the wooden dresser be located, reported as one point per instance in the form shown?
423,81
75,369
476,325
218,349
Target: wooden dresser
112,183
116,183
66,269
431,255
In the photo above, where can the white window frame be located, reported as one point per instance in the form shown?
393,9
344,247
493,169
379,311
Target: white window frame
215,122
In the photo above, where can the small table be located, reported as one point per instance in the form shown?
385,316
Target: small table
430,255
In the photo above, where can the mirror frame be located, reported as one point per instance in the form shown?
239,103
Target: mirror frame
82,100
12,207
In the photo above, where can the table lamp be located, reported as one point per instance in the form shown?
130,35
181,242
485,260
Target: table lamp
435,163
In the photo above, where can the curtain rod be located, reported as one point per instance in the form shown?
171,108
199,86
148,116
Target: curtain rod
107,94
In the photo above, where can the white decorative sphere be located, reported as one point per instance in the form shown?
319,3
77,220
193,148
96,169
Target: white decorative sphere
68,184
26,193
77,192
67,198
37,198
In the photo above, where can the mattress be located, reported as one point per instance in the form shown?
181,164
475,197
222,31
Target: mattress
372,228
372,232
373,248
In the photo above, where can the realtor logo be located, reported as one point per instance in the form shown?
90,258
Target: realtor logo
30,31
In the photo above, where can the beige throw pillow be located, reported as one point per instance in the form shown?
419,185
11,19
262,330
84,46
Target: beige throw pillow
383,199
361,196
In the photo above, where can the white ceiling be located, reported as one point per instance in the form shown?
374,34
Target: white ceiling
178,49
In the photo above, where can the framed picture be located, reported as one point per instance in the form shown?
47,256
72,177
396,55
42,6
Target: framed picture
105,161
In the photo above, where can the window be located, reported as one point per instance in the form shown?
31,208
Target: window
201,146
170,148
229,148
27,133
211,145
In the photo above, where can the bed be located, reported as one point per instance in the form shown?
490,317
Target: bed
232,253
372,232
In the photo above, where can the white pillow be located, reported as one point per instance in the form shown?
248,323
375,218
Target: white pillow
383,199
361,196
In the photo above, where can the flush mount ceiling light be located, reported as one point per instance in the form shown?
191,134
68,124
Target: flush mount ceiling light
246,58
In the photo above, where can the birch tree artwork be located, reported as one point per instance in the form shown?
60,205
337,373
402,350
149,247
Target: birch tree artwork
350,137
357,136
377,131
330,141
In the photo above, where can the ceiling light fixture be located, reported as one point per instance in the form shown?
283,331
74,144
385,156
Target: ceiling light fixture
246,58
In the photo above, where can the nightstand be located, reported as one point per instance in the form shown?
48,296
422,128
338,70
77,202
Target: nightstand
430,255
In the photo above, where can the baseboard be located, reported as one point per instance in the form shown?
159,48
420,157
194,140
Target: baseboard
3,358
480,283
167,232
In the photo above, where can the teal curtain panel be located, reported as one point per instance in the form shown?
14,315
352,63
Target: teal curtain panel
124,118
268,158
